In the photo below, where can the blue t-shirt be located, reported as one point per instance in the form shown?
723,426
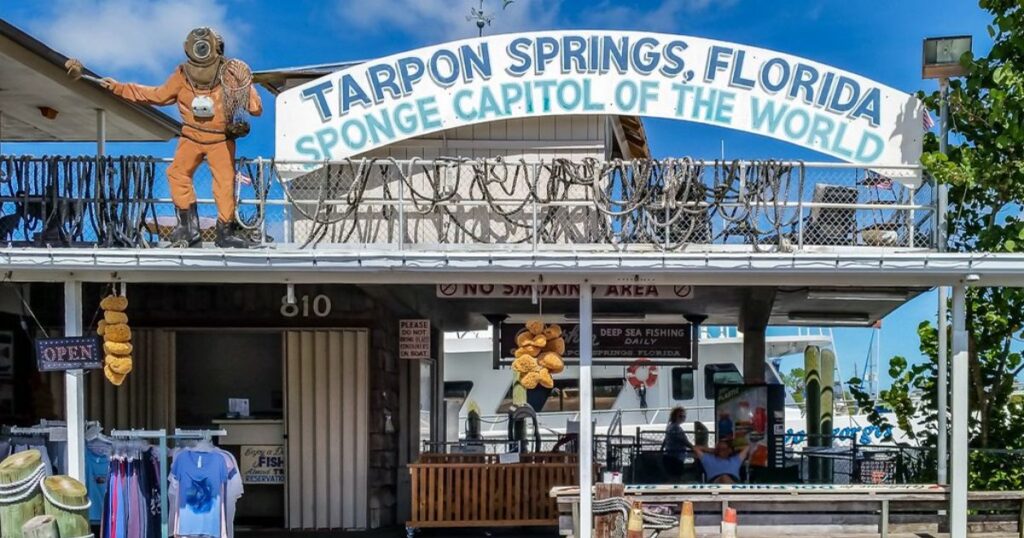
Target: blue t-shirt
97,471
715,466
201,477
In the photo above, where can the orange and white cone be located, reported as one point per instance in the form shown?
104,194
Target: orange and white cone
729,523
686,524
635,526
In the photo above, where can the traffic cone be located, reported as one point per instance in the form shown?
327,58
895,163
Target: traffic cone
729,523
635,526
686,526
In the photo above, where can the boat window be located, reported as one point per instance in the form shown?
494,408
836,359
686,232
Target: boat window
566,396
720,374
682,383
457,391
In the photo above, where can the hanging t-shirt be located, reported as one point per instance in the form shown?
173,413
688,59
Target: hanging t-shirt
97,472
201,477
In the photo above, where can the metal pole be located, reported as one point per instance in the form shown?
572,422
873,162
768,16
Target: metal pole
586,411
958,463
74,385
943,388
943,114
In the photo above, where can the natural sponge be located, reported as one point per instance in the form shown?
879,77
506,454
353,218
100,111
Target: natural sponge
524,364
556,345
552,331
552,362
530,380
535,326
113,318
117,333
545,379
114,303
117,348
119,365
113,376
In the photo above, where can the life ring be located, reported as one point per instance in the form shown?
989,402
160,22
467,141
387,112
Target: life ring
652,373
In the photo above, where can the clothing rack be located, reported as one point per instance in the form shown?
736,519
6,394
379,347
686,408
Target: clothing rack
161,436
49,428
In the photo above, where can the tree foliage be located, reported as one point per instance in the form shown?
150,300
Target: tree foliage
984,170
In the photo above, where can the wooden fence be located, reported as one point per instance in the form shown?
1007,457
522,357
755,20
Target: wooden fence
475,490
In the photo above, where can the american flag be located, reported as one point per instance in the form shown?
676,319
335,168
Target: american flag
927,119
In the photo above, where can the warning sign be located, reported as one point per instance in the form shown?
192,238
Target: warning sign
414,339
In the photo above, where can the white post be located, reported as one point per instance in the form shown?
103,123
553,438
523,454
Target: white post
958,463
101,132
943,388
586,411
74,385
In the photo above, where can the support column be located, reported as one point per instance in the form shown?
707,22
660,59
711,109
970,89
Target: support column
943,387
586,411
74,385
958,462
101,132
754,354
755,313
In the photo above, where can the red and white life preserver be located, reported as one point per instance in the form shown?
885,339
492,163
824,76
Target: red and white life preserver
649,380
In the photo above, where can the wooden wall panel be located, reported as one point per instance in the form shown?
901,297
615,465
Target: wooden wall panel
327,407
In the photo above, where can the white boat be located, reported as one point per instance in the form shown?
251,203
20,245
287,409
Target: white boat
469,377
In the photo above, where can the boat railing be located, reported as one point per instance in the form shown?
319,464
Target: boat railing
450,204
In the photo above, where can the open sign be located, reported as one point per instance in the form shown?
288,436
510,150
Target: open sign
71,353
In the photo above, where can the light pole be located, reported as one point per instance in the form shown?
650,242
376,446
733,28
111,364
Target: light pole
482,19
941,60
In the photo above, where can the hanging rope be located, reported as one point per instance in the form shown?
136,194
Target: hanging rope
620,505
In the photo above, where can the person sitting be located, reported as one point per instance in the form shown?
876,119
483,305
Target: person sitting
675,444
723,465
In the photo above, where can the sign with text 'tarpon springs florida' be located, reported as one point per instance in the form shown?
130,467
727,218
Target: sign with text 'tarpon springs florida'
383,101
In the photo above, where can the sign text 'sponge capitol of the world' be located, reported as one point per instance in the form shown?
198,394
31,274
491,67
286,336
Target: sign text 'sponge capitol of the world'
807,103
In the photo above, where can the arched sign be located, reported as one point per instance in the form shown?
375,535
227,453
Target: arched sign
501,77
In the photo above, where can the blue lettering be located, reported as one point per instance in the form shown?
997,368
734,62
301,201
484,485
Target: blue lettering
318,94
573,47
518,51
715,63
766,71
429,114
378,125
545,50
326,138
737,79
645,59
304,146
564,100
588,99
383,77
346,134
766,113
804,123
845,95
511,94
475,62
674,62
448,77
616,51
459,101
870,148
412,70
869,107
405,115
804,78
352,94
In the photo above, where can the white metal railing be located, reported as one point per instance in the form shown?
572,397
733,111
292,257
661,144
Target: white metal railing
666,205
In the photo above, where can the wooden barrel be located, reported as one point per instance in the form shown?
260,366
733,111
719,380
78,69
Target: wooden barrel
40,527
67,500
20,496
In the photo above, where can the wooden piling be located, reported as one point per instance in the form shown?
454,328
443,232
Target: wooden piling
41,527
19,507
67,500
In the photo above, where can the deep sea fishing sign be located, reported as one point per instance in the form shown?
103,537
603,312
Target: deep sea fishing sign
759,91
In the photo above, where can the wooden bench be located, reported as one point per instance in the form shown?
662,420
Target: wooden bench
820,510
476,490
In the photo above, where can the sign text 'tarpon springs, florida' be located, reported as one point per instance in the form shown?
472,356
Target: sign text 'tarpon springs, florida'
809,104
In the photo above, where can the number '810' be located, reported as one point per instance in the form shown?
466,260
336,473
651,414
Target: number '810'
319,306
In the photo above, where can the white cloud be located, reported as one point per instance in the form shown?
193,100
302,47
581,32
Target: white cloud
663,16
446,19
119,36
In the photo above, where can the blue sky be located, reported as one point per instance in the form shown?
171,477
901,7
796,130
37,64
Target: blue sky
140,40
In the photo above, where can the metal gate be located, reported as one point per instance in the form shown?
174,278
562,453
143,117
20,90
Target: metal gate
326,384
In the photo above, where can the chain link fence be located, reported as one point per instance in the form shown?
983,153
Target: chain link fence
667,205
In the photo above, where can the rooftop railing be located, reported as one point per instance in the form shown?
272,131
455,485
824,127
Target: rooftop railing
664,205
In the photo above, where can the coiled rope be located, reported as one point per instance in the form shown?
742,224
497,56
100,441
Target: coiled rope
620,505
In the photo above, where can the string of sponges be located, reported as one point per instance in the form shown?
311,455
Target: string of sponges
117,338
538,355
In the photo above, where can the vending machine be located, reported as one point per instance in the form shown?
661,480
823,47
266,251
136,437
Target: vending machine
753,417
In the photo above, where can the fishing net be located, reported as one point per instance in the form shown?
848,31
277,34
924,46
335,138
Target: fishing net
236,80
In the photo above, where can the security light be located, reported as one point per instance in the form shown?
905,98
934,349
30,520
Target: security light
942,56
829,318
856,295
